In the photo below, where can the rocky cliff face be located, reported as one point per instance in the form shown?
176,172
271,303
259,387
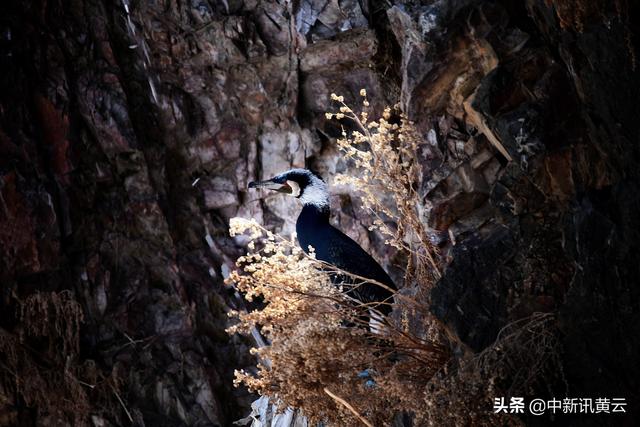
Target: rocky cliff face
129,130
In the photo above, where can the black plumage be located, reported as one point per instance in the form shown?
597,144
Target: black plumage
336,248
329,243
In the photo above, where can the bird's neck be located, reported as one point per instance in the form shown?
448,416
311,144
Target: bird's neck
314,214
311,226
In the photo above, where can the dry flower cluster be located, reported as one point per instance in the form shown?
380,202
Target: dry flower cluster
385,158
315,351
316,359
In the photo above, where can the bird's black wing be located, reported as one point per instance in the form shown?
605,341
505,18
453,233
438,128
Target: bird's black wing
341,251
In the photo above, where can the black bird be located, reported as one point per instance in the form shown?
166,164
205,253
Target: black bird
330,244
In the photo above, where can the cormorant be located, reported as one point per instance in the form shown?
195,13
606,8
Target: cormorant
329,243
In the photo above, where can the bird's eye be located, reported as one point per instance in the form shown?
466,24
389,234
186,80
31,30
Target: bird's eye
295,188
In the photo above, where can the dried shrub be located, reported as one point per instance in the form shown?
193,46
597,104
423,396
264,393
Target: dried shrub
522,361
55,317
315,352
41,367
38,363
387,175
315,357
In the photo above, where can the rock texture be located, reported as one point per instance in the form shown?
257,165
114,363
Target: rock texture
129,130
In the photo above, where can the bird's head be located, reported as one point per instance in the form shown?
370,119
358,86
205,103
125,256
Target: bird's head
300,183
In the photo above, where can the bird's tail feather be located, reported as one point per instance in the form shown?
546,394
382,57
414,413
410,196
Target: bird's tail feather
377,322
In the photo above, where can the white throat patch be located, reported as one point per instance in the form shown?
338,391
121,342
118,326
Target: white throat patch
295,188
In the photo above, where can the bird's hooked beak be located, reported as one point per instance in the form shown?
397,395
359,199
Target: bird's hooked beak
269,184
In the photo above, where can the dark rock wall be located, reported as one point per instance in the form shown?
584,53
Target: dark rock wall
129,130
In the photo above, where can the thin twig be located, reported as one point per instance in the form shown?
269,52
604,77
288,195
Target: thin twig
348,406
122,403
